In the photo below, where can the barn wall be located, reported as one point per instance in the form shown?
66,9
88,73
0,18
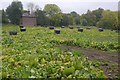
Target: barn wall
29,21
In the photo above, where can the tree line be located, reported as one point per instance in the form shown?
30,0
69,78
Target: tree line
53,15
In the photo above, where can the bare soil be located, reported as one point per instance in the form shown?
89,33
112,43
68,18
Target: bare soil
108,60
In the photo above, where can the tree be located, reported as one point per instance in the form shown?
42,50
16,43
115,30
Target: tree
42,19
14,12
53,12
65,20
92,17
76,17
4,17
84,22
71,19
51,9
98,14
56,19
109,20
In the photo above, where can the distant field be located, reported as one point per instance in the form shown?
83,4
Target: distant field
37,52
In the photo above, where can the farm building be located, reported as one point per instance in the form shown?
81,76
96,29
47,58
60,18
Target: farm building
28,19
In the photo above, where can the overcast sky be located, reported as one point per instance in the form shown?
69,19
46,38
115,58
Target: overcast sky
67,6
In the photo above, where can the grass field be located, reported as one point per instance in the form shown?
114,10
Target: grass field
36,53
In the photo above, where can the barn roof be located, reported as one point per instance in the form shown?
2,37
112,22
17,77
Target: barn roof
28,14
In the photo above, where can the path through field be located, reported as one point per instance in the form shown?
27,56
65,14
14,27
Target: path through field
106,59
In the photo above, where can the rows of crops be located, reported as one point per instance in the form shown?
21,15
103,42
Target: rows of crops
34,53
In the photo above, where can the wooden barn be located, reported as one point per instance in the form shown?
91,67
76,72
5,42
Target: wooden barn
28,19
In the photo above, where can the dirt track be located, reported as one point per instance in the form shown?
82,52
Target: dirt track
109,61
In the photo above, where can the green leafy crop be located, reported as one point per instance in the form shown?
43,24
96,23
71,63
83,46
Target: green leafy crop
34,53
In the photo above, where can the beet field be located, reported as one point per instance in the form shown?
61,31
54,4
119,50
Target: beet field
39,52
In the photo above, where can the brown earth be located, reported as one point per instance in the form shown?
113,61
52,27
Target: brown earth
108,60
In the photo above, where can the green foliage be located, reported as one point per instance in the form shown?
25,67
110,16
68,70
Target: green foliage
98,13
56,19
4,17
68,71
14,12
54,14
92,17
34,54
42,19
69,19
8,41
51,9
105,41
109,20
76,17
84,22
